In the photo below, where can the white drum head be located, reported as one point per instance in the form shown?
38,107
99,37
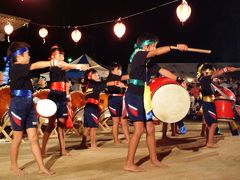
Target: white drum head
46,107
171,103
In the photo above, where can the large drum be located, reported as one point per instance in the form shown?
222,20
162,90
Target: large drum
224,109
42,93
170,101
77,100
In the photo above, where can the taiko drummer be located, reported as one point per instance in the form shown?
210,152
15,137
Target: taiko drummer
21,110
140,70
206,74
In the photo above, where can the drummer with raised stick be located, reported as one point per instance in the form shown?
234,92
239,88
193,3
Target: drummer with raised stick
206,74
140,70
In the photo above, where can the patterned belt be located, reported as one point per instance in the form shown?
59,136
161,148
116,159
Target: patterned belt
136,82
59,86
92,100
208,98
22,93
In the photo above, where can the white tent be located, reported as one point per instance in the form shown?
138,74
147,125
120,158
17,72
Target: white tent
83,59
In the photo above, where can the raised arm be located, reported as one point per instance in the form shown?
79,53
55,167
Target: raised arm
80,67
165,49
224,70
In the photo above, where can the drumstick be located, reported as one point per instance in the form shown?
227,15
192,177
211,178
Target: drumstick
219,91
207,51
93,67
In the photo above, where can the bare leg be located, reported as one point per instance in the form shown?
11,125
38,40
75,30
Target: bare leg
84,137
132,147
61,135
93,138
115,129
204,126
17,139
173,128
210,142
152,145
47,133
125,129
33,138
164,130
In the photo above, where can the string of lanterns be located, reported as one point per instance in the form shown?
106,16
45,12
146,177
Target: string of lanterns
183,12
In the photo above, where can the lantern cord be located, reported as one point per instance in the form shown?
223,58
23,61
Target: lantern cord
109,21
8,39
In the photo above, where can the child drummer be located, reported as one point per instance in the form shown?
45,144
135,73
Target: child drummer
21,110
206,74
141,69
91,110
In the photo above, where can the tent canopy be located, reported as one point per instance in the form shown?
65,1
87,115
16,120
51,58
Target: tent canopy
84,59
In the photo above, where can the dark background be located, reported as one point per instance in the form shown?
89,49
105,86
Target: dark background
213,24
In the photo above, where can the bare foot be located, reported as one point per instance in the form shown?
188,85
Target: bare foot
133,168
83,146
212,146
94,147
45,171
65,153
117,143
157,163
16,171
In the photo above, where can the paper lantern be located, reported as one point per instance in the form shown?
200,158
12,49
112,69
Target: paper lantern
119,29
76,35
183,11
8,30
43,32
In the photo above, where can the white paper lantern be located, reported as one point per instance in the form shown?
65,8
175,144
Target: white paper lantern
183,11
43,32
76,35
119,29
8,30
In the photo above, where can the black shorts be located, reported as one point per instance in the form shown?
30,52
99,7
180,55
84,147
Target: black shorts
61,101
115,104
209,111
22,114
135,107
91,115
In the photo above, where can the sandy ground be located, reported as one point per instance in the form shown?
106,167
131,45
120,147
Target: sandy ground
185,155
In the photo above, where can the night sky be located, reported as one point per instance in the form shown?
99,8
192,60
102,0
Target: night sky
213,24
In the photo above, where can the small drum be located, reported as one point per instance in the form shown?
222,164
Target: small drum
103,101
5,98
170,101
77,100
224,109
78,118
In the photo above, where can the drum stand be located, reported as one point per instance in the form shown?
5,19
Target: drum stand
4,132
